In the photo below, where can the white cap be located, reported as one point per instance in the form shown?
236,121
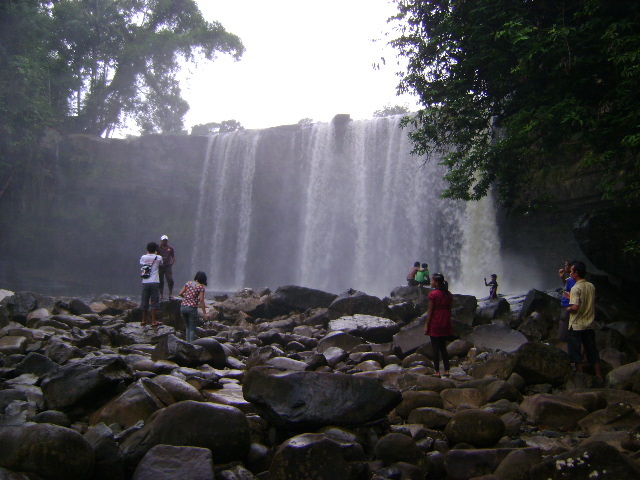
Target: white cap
164,237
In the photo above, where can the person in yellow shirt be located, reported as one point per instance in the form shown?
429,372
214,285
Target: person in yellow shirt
582,314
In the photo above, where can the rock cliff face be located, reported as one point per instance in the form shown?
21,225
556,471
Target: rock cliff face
102,200
104,197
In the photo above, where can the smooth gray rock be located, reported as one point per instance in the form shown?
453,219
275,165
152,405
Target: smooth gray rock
307,399
168,462
51,451
80,388
222,429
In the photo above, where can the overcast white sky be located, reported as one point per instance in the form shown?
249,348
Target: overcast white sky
304,59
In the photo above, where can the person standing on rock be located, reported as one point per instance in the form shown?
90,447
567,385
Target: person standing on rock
193,296
150,284
493,284
438,321
582,314
166,270
411,276
565,276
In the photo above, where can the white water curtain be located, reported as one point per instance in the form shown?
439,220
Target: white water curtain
333,207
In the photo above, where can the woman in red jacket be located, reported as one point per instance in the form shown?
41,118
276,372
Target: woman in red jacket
438,321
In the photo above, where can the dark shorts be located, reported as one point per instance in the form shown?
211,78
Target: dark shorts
166,271
150,293
412,282
578,338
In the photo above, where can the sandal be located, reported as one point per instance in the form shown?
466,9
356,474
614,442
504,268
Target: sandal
437,374
157,324
143,324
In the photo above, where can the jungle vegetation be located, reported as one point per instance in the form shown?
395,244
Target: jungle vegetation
516,92
89,66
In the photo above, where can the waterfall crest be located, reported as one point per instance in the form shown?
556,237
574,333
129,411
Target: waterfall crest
330,206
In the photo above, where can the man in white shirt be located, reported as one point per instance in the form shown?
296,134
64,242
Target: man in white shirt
151,285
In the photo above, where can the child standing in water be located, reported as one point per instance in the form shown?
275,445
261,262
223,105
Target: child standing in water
493,291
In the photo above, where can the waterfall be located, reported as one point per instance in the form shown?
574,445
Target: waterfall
331,206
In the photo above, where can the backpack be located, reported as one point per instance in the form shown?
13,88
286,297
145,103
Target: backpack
145,270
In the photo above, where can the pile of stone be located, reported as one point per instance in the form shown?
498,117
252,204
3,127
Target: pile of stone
302,384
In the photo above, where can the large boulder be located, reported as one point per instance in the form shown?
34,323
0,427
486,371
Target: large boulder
410,337
19,305
354,303
491,309
310,457
541,363
552,410
593,460
412,399
463,309
339,339
315,399
10,345
479,428
222,429
625,377
183,353
79,388
179,389
244,302
397,447
216,355
497,336
136,403
168,462
109,464
405,292
547,307
292,298
50,451
457,397
371,328
463,463
518,463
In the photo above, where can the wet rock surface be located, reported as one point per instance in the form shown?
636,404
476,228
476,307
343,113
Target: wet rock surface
302,384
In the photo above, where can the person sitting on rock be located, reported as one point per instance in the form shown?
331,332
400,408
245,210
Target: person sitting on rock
422,276
411,276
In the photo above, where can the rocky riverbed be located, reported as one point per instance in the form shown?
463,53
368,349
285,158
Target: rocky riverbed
302,384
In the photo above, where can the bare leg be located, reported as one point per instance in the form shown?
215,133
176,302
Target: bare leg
596,367
154,322
144,318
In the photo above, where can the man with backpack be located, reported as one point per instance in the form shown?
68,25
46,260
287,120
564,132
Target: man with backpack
150,265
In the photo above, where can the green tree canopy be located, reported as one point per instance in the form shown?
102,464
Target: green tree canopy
92,65
514,90
212,128
389,110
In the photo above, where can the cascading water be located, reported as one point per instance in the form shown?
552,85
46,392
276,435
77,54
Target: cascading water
331,206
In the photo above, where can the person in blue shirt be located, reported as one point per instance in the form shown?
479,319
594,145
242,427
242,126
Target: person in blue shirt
568,282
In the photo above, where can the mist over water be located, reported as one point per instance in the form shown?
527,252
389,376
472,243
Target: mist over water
334,207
